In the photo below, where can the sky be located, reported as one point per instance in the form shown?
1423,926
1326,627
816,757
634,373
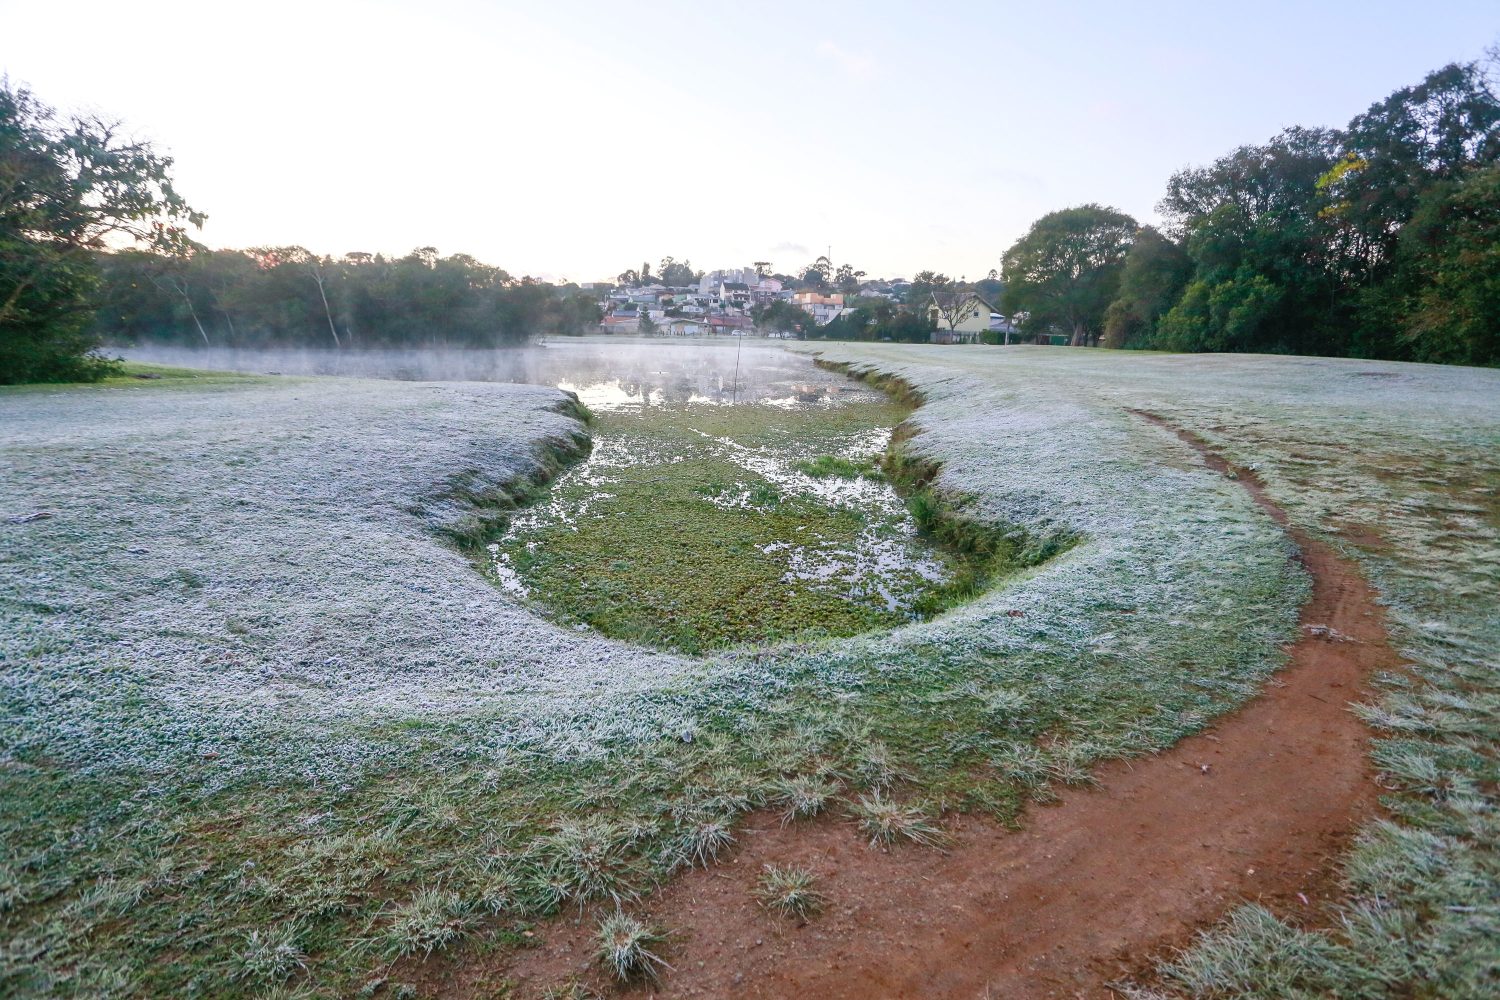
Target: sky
572,139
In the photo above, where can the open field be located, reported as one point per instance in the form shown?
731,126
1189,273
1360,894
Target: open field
268,730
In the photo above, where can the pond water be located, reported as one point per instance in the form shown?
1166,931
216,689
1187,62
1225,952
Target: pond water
733,493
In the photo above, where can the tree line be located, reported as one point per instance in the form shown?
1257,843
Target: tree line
288,296
1381,239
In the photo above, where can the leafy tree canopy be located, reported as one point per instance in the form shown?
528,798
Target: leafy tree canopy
68,187
1066,270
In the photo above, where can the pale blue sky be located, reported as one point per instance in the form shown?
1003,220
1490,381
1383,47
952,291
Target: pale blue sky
574,138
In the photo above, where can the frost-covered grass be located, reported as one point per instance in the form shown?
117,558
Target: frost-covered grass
625,948
788,891
1398,465
302,714
886,822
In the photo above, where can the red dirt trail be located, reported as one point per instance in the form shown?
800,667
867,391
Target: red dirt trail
1091,889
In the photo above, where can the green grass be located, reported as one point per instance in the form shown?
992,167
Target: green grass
825,466
689,553
660,565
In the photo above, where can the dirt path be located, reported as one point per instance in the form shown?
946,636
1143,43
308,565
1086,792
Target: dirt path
1257,809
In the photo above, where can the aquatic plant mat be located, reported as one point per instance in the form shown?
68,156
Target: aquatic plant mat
254,760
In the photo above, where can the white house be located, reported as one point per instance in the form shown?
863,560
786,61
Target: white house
735,294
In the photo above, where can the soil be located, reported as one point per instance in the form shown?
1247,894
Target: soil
1093,889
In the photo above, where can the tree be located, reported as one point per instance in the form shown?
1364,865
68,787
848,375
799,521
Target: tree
676,274
1419,135
171,276
1156,270
990,287
781,316
815,275
1265,277
574,313
1066,269
1447,284
952,301
68,187
847,279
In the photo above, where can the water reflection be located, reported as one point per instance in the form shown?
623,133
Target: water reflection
607,374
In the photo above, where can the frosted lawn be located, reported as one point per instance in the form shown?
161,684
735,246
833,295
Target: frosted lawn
1398,465
226,562
293,625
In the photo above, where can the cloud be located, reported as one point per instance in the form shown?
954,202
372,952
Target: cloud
785,249
856,65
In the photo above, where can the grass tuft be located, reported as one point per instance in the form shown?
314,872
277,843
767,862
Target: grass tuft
273,956
429,921
826,466
1254,954
625,948
701,843
803,797
788,891
885,822
590,860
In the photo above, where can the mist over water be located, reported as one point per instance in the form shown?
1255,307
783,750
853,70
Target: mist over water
606,373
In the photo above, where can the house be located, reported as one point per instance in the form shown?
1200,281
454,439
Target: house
765,291
824,308
624,317
684,328
1004,327
758,284
735,294
729,324
963,321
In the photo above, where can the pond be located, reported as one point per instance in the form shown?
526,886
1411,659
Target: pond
733,495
